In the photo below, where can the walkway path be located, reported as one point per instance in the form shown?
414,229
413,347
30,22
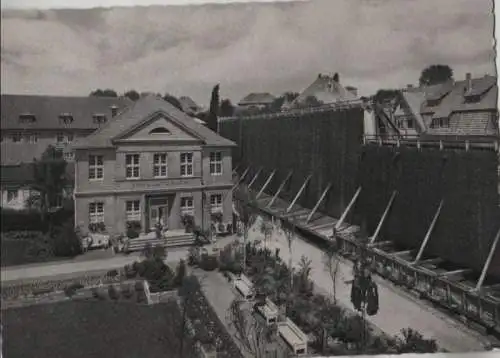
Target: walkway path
58,270
397,309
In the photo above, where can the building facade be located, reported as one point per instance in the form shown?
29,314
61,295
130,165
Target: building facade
152,164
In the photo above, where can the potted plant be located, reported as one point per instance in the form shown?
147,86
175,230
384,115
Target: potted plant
188,222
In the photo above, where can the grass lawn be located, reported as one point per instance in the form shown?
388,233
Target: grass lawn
75,329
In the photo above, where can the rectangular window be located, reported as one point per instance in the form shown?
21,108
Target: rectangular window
11,195
133,209
69,137
187,205
60,137
160,165
96,167
96,213
17,137
216,163
410,123
186,164
132,166
216,202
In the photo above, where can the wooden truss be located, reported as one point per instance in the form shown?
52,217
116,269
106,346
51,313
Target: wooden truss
282,185
298,193
428,234
269,178
254,178
384,216
318,203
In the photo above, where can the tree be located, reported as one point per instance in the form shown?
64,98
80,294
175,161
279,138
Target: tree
244,205
332,264
413,342
65,241
172,100
214,109
132,95
104,93
435,74
253,335
311,101
226,108
50,179
364,291
384,95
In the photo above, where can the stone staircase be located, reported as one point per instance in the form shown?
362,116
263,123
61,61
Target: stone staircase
171,239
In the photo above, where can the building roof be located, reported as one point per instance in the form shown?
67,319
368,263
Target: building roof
141,112
188,105
257,98
48,109
414,101
327,90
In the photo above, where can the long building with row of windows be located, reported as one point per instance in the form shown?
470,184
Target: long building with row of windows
152,164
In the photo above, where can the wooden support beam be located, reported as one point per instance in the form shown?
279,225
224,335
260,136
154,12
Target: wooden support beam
318,203
454,273
255,178
428,234
235,170
242,177
492,287
265,184
282,185
298,194
347,209
435,261
401,253
380,244
488,262
384,215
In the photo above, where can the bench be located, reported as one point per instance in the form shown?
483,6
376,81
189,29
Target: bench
269,311
293,336
244,287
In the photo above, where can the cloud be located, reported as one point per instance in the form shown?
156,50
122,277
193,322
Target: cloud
246,47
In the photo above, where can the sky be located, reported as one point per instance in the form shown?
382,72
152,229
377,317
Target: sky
252,47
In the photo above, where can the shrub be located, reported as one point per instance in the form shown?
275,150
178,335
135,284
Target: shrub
113,293
97,227
126,291
193,254
71,289
208,262
97,294
134,225
19,220
112,273
65,241
180,273
132,234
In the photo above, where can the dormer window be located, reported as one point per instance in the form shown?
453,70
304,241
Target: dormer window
433,102
66,118
160,130
27,118
99,119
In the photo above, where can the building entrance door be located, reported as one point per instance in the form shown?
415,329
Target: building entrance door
158,213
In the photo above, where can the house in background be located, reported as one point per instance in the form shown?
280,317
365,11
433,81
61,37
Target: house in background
152,164
189,106
462,108
31,123
256,101
326,89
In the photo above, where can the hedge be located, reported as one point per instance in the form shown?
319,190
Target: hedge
31,220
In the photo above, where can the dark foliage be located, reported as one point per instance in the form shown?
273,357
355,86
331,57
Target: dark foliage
172,100
226,108
104,93
213,112
435,74
132,95
65,241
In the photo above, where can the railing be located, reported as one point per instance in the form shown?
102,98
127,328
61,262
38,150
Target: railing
340,105
442,142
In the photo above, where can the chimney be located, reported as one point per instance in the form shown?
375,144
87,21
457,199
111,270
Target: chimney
114,110
468,81
409,86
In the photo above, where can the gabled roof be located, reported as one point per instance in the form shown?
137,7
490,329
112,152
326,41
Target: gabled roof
48,109
188,105
143,110
257,98
414,101
327,90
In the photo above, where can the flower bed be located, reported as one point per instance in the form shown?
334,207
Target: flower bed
44,286
209,330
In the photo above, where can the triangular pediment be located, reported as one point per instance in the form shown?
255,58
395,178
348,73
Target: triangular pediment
158,127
